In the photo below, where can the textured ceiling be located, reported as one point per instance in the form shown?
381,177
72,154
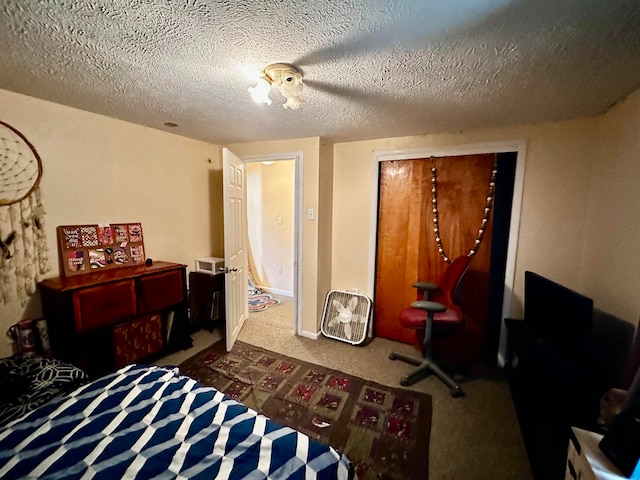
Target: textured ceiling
372,68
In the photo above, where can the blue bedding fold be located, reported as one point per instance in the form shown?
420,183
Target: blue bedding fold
151,422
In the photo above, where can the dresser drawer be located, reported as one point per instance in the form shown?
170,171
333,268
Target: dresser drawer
159,290
103,305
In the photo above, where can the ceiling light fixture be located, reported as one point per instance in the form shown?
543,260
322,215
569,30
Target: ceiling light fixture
288,80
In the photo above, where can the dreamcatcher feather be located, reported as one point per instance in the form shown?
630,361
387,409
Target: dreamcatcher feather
23,245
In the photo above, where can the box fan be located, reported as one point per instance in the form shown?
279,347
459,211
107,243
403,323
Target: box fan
346,316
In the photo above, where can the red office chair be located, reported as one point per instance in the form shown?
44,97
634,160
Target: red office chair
438,311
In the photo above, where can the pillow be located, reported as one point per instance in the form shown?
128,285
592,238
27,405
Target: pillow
32,381
12,384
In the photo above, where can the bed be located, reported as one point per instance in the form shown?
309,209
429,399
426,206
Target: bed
152,422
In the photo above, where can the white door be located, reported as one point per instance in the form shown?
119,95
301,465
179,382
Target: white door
235,245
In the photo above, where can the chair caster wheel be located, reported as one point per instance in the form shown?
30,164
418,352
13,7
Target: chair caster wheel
392,356
404,382
457,392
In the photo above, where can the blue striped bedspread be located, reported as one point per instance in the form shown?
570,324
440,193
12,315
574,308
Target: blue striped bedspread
145,422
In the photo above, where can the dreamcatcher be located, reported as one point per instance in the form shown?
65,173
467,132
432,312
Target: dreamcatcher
23,246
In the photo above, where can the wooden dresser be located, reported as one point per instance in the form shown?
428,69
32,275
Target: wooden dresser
103,321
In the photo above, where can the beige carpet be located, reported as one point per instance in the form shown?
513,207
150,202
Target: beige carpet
472,438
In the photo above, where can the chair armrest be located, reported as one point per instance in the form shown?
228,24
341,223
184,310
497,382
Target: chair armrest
425,288
434,307
420,285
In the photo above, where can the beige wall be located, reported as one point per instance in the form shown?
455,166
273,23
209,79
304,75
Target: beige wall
554,188
611,272
580,203
270,218
325,222
101,170
578,223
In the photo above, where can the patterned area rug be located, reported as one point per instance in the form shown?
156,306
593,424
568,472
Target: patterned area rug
261,301
383,430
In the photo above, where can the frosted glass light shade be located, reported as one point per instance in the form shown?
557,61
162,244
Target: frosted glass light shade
288,80
260,93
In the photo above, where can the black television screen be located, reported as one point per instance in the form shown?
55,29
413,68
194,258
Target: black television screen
560,317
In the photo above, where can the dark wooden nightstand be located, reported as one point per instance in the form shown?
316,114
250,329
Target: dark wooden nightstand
206,300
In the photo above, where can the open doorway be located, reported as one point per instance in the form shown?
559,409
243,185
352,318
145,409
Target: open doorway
272,240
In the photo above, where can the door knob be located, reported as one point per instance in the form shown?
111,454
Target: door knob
227,269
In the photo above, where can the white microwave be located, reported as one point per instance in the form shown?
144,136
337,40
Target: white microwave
211,265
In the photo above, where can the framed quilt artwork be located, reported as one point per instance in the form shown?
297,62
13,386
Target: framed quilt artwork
92,248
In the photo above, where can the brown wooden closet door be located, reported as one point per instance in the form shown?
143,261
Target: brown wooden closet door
407,250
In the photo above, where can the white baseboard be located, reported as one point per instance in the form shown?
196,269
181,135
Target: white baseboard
284,293
311,335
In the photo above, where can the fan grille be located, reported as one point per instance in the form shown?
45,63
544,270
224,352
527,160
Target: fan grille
346,316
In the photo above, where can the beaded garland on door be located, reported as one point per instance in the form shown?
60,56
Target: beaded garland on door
485,216
23,254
